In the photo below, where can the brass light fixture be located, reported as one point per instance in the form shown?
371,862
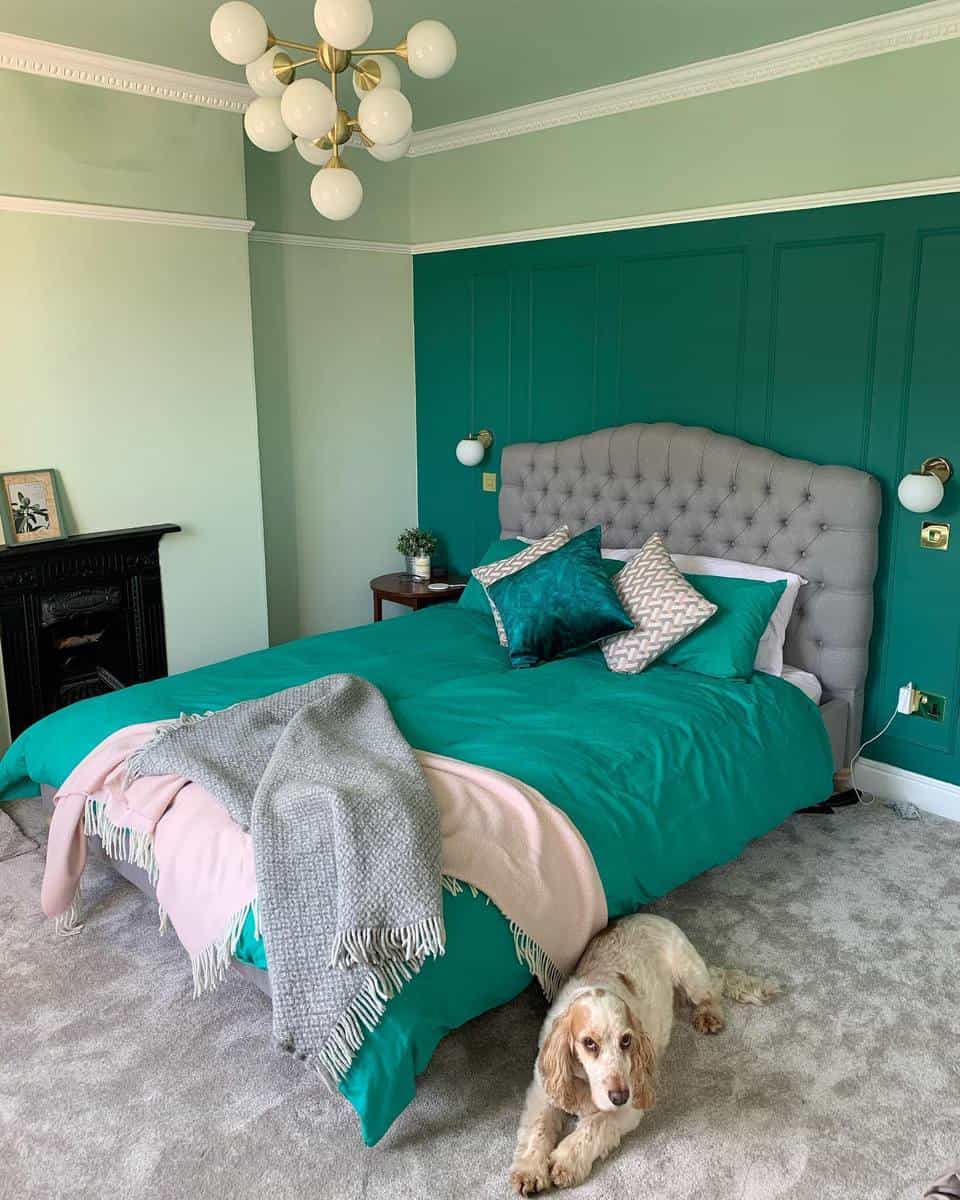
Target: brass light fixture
308,111
922,491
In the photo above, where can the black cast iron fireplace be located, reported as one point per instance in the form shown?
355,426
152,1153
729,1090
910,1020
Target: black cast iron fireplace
80,617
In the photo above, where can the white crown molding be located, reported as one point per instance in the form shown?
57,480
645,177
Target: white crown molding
864,195
309,241
110,212
921,25
71,63
925,23
896,783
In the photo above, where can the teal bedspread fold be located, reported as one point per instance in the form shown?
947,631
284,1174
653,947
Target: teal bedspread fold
666,774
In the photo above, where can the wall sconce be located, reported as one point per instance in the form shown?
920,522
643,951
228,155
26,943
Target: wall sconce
472,448
923,491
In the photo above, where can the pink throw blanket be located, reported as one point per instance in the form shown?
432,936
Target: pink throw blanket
499,836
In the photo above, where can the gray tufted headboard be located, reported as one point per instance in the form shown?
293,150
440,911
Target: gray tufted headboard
716,495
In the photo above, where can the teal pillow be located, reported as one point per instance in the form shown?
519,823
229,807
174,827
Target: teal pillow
559,604
473,594
727,644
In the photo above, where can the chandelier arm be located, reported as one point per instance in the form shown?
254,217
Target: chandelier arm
400,51
335,159
303,62
275,41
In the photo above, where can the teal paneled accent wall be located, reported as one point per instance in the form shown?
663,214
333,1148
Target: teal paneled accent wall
829,334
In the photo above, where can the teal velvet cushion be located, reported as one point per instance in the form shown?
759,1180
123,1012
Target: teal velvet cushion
473,594
559,604
727,644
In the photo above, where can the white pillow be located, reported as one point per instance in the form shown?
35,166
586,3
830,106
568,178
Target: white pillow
770,651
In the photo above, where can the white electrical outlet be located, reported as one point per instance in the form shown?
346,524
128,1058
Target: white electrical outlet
908,699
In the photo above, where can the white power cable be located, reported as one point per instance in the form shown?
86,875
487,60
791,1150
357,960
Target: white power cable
853,761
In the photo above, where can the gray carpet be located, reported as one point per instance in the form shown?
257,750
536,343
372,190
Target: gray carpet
13,841
113,1082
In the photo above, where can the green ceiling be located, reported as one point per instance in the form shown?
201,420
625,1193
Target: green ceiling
511,51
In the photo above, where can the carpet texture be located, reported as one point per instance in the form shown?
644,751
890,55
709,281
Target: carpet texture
113,1082
12,842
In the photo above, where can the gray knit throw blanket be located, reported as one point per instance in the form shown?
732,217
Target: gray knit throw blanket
346,838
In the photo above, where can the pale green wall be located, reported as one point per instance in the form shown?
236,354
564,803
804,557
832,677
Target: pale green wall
68,141
874,121
333,336
127,348
278,196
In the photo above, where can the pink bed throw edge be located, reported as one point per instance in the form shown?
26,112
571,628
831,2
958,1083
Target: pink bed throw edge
499,836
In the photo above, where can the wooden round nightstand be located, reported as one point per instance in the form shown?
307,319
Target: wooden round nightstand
412,593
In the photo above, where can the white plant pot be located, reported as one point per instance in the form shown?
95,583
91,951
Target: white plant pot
421,567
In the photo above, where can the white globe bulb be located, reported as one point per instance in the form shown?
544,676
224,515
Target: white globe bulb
308,108
336,193
385,115
392,152
431,49
389,74
311,152
920,493
469,452
263,78
264,124
345,24
238,32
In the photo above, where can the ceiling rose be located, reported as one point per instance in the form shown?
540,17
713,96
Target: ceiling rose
306,112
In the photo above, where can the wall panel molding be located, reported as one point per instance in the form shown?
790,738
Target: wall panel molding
919,26
109,212
75,65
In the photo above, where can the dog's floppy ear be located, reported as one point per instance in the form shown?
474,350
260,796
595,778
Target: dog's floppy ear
643,1067
556,1064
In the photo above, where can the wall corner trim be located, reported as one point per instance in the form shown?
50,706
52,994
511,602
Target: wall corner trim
76,65
903,29
895,783
109,212
310,241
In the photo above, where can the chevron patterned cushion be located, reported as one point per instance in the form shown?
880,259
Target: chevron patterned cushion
508,566
662,605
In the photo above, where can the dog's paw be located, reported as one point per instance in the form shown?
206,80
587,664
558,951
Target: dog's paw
566,1170
708,1018
530,1176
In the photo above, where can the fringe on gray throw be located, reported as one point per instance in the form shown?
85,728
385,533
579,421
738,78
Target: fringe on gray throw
346,840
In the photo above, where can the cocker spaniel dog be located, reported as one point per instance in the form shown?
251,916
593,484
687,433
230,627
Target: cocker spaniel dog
601,1041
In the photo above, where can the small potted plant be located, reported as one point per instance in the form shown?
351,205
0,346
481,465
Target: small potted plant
417,545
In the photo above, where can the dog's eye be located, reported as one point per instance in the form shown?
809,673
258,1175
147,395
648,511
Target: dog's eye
625,1041
591,1045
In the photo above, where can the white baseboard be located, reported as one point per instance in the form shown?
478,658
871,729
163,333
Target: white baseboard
895,783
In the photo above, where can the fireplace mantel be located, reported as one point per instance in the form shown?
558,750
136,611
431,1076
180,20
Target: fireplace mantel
79,616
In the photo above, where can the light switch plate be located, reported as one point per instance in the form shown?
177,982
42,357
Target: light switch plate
489,481
935,535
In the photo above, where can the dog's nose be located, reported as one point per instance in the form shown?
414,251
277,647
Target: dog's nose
619,1096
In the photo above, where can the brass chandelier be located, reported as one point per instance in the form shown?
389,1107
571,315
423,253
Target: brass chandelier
307,112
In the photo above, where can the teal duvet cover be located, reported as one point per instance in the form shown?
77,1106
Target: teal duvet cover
666,774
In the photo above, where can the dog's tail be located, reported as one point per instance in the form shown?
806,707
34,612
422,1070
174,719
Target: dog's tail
743,988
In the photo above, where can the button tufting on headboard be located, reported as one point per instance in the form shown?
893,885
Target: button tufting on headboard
637,479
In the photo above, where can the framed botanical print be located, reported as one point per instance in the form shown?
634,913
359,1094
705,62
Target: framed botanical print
30,507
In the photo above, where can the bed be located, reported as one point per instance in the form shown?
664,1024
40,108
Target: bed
665,774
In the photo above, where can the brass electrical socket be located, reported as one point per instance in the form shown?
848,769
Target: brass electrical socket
929,705
935,535
489,481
